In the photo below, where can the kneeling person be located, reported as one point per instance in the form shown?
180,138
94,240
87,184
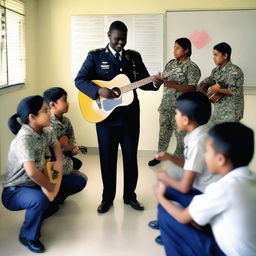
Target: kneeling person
56,98
193,110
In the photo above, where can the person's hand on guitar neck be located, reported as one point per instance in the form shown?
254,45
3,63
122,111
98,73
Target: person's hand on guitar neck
107,93
157,80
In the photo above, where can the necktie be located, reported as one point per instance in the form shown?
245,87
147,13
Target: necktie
118,56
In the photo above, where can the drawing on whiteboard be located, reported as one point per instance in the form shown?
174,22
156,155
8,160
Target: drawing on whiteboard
199,38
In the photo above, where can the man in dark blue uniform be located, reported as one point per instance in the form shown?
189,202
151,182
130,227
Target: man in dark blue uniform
123,124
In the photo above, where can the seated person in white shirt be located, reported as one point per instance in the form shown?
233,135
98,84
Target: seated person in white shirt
228,205
193,110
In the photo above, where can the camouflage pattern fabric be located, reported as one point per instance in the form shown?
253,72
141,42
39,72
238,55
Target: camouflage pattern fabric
229,108
65,128
186,73
27,146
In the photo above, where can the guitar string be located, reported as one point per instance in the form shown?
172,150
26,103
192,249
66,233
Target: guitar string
144,81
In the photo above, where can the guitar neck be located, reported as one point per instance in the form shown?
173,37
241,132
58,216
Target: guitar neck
144,81
136,84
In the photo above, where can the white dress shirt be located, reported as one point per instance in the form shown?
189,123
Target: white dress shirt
229,206
194,149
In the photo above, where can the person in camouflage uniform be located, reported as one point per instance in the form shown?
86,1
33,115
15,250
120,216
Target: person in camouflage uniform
226,81
56,98
184,78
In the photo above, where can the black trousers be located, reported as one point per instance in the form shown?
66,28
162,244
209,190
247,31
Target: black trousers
109,138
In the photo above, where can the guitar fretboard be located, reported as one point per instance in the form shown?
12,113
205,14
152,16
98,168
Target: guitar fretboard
144,81
136,84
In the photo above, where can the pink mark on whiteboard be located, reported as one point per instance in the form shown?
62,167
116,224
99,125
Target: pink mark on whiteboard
199,38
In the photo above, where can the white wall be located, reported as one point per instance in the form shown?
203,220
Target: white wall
8,101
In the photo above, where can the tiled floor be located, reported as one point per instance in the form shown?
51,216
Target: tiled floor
77,229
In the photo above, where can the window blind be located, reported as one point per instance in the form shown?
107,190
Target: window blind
12,44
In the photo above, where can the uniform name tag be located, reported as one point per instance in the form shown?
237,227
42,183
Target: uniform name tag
104,66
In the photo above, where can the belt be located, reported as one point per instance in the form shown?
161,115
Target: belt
12,188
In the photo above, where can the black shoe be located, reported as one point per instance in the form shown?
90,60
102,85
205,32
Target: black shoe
154,224
33,245
135,204
104,207
158,240
153,162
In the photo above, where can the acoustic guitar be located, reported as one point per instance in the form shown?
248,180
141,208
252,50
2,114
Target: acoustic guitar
54,177
67,148
97,110
214,97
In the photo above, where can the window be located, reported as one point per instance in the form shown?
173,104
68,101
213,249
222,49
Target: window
12,43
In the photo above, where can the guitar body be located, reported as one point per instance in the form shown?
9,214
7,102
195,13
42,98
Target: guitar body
97,110
64,141
55,178
213,97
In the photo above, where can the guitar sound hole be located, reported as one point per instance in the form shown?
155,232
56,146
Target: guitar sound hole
54,175
117,91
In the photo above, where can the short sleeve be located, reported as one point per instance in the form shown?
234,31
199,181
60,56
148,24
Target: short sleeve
25,149
194,158
193,75
51,136
235,80
203,208
70,132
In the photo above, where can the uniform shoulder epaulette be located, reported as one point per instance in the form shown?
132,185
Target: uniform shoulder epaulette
97,50
235,69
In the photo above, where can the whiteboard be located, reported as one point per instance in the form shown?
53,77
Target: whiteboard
145,35
208,28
